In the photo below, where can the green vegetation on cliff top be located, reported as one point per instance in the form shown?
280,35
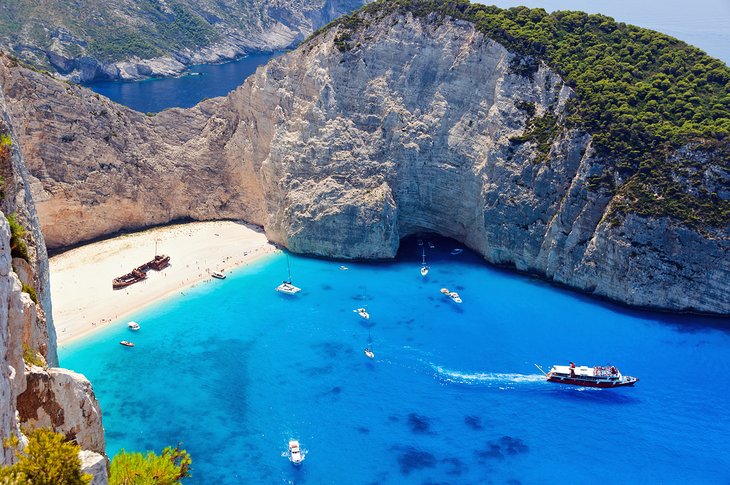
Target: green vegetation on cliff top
640,93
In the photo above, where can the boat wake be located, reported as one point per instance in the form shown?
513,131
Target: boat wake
496,379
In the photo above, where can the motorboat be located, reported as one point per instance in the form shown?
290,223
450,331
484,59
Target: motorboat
424,266
456,251
455,297
127,343
344,268
295,452
369,353
133,325
445,291
424,270
597,376
218,274
288,288
363,313
431,245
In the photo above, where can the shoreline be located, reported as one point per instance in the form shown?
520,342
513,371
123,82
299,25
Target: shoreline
83,301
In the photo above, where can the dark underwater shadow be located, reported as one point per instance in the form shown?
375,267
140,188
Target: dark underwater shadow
409,250
608,397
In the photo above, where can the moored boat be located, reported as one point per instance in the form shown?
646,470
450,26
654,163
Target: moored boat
598,376
456,251
295,452
127,343
363,313
286,286
455,297
133,325
218,274
445,291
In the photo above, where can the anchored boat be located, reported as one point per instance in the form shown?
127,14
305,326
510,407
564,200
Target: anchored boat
597,376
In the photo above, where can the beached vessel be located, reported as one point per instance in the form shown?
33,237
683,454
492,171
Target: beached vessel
295,452
133,325
159,263
127,343
286,286
218,274
597,376
363,313
130,278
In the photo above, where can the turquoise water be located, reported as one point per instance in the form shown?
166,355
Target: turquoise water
233,370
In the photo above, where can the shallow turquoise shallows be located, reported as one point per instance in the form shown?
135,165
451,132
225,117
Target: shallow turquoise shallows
233,370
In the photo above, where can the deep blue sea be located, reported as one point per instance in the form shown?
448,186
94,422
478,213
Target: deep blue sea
233,370
198,83
704,23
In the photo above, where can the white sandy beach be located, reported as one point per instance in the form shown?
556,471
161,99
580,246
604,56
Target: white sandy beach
81,279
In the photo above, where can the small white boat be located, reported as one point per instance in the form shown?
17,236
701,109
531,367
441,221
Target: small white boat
445,291
295,452
126,343
133,325
287,288
369,353
218,274
344,268
455,297
456,251
424,266
363,313
431,245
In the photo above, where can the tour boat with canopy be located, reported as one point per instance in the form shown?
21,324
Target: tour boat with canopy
598,376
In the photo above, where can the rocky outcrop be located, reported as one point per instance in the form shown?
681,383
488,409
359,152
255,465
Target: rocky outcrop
82,42
33,396
96,465
63,401
359,138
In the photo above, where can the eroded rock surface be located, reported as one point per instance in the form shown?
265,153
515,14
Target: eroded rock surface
357,139
64,401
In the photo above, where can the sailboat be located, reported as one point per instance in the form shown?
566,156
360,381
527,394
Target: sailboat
424,267
368,351
286,286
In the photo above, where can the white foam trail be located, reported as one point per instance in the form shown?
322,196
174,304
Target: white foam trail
485,378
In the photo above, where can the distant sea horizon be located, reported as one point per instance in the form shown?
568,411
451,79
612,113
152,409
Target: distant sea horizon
705,26
701,23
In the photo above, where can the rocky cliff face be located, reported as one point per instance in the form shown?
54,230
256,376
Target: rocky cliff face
359,138
86,41
31,395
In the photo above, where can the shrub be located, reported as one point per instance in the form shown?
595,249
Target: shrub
137,469
47,460
31,291
32,357
18,248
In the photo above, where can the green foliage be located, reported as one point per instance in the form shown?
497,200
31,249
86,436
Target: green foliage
641,94
18,248
137,469
47,460
32,357
5,140
542,130
31,291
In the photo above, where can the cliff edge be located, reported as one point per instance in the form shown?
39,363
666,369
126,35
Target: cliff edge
404,118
